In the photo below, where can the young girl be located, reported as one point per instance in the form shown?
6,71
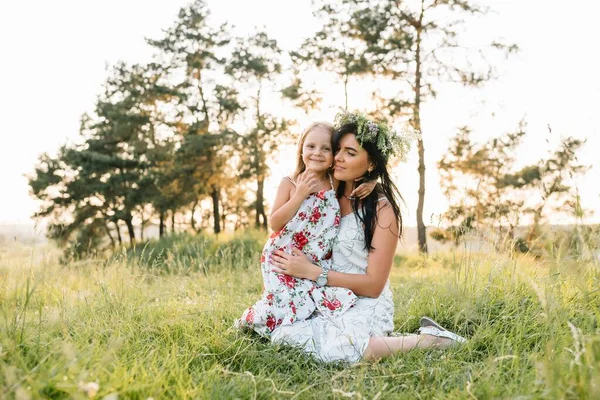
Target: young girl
306,215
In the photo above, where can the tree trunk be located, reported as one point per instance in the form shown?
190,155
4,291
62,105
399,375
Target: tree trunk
217,219
260,202
533,231
142,226
161,224
130,230
206,122
260,205
421,229
193,221
119,233
112,240
346,90
172,221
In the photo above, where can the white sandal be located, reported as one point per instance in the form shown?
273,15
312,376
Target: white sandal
426,321
430,327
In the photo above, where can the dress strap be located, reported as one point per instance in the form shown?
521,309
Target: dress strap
289,179
331,181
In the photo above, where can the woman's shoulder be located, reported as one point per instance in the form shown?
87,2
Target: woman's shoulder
386,213
383,209
380,197
382,204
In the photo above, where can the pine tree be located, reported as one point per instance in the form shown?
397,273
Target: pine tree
416,46
255,62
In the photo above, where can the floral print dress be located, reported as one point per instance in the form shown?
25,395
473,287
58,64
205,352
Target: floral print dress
343,337
286,299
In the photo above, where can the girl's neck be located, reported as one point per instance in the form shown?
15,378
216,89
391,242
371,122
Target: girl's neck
321,175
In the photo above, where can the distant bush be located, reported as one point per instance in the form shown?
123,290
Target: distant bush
186,253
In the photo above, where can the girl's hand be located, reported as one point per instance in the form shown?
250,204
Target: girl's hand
364,189
296,264
306,183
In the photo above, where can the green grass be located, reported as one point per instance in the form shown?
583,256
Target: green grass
156,322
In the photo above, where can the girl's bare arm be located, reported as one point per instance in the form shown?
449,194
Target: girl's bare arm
289,198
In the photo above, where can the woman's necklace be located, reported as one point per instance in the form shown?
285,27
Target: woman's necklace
349,197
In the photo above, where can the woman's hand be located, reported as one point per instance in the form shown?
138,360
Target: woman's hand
306,183
296,264
364,189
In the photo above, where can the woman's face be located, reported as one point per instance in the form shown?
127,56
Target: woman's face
351,160
317,153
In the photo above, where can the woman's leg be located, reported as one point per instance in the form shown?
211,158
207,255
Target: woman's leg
385,346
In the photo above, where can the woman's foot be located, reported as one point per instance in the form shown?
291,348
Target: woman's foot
430,327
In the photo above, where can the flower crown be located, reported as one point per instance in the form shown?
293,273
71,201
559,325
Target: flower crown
386,140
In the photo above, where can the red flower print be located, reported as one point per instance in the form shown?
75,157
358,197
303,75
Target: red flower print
250,316
287,280
271,322
302,216
321,194
300,240
270,296
316,215
336,221
276,234
332,305
262,258
328,255
293,306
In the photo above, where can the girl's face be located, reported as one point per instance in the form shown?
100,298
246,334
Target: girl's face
317,153
351,161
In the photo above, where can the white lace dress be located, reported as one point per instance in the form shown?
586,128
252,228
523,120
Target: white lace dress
344,337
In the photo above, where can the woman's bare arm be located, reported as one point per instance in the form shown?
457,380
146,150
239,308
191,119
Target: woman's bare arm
385,240
371,284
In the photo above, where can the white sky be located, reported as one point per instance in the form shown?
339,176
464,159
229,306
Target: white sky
54,56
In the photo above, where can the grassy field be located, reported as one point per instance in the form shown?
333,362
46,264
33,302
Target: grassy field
156,323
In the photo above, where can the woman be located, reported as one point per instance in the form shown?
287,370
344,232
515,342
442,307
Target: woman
362,256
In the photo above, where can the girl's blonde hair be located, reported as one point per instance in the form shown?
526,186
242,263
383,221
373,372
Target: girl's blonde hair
300,166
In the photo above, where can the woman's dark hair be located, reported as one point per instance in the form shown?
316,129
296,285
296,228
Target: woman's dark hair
386,188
